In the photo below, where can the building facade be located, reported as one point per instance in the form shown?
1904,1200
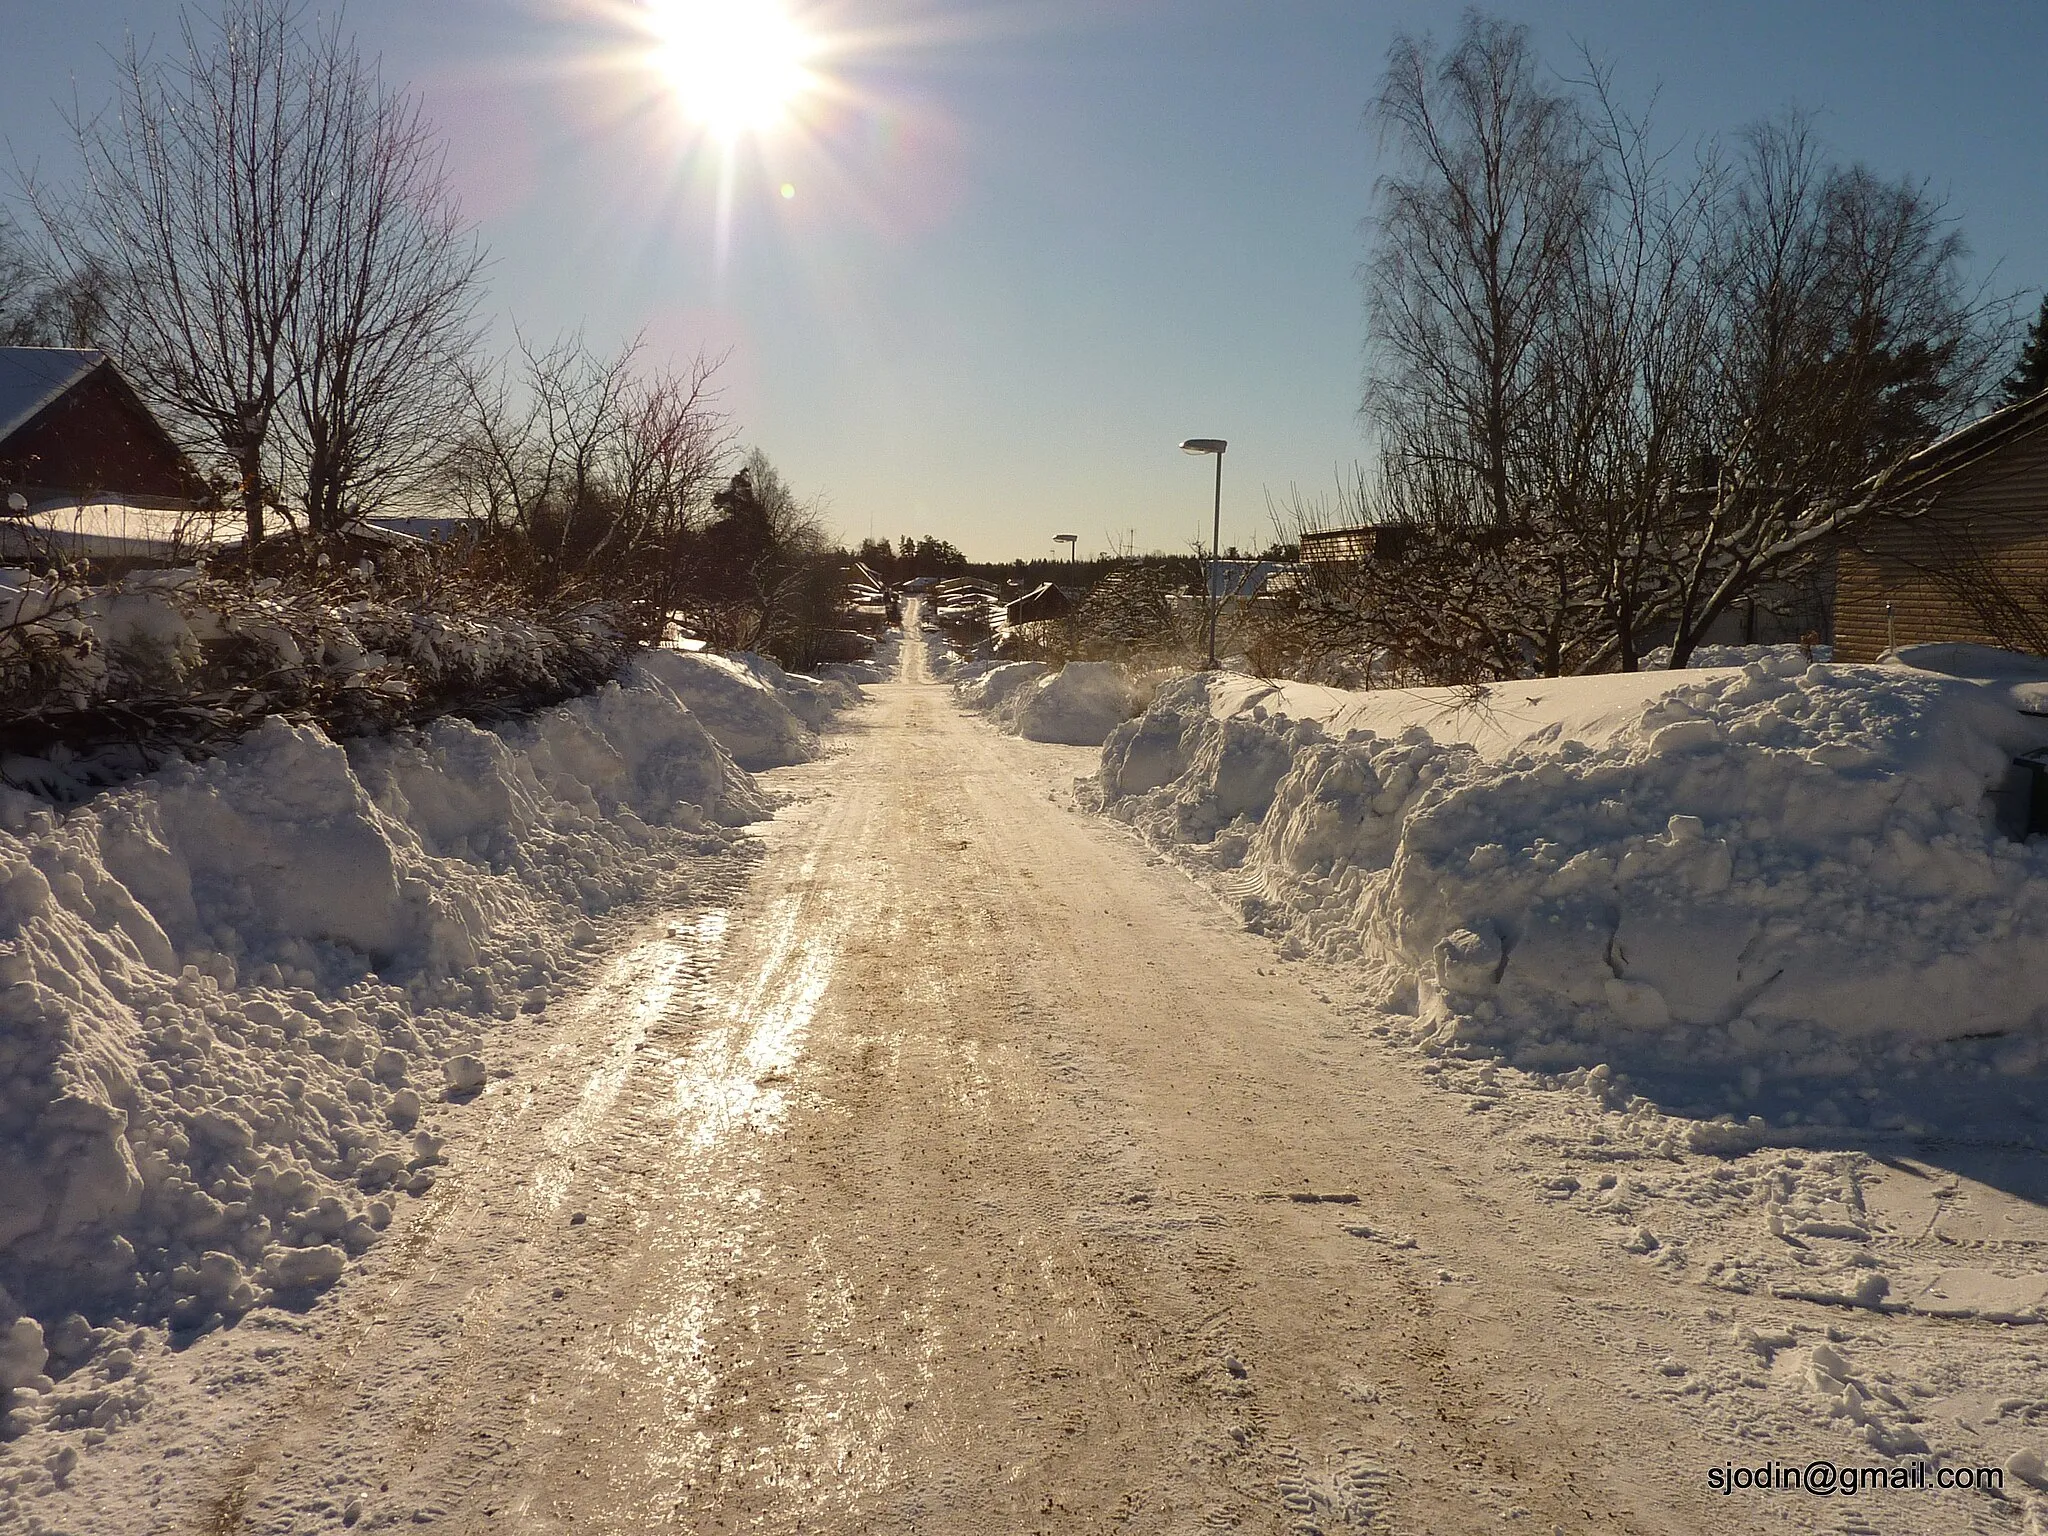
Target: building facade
1967,558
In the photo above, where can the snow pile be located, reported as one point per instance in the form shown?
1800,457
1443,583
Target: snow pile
739,703
1778,869
2026,674
941,660
968,667
991,686
1707,656
232,994
1078,705
813,700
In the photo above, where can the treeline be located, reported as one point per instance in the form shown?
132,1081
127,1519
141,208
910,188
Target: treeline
1076,575
1620,385
910,558
261,230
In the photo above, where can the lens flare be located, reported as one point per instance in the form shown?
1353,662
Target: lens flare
737,66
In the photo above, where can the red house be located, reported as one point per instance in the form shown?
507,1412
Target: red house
71,427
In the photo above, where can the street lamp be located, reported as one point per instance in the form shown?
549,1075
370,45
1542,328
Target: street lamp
1072,541
1214,445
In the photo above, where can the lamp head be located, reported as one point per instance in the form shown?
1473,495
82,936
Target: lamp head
1204,445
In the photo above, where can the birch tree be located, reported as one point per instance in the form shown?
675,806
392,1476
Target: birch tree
1478,233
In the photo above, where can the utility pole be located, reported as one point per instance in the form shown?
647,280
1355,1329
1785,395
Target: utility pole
1214,445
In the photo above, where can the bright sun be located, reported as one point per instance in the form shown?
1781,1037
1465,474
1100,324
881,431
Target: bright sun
736,65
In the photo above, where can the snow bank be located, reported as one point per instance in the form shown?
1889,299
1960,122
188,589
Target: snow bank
228,993
813,700
1078,705
739,704
1782,868
970,667
990,687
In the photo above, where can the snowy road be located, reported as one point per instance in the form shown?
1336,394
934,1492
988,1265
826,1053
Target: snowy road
971,1172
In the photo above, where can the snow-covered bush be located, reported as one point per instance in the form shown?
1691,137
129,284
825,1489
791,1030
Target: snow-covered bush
98,681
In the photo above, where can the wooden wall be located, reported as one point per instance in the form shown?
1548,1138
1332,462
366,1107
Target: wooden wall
1974,567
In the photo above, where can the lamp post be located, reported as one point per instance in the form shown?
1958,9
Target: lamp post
1214,445
1072,541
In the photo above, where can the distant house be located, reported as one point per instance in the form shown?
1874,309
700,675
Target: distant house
86,471
1044,601
1971,563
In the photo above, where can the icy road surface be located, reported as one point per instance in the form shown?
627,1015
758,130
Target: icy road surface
970,1173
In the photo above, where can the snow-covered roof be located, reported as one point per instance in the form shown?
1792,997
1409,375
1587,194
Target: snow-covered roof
1984,435
32,378
410,528
112,530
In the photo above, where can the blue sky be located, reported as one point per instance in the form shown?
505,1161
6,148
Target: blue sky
1035,243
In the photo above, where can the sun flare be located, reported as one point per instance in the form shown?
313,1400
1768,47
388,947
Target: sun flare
737,66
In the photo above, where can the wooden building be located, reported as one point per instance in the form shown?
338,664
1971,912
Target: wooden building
1044,601
1968,559
1355,546
72,429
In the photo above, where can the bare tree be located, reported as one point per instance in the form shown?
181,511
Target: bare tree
669,456
21,318
540,431
1846,342
41,306
594,468
194,203
284,272
384,317
1615,391
564,445
1619,402
1477,238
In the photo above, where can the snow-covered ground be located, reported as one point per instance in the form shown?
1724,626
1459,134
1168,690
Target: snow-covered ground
937,1157
1744,963
239,998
